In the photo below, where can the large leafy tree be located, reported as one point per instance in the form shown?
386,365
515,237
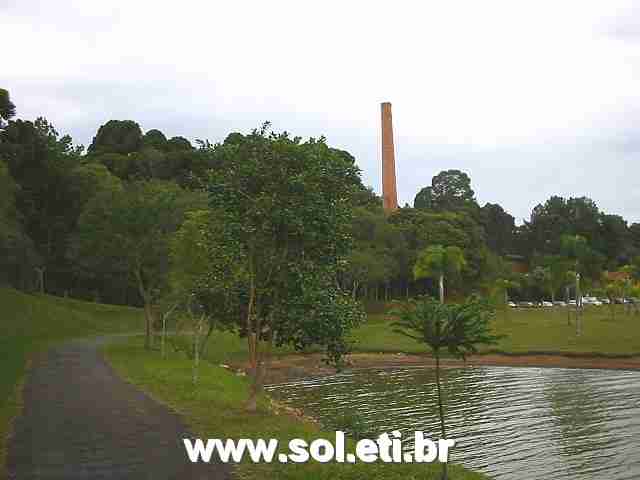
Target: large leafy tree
117,136
422,228
457,329
551,272
451,190
587,261
126,232
542,277
634,239
280,229
616,239
635,268
131,156
189,268
87,180
424,198
499,228
379,255
18,257
40,162
501,288
608,237
437,262
7,108
156,139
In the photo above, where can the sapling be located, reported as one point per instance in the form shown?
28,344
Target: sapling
456,328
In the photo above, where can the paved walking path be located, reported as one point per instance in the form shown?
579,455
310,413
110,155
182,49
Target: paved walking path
82,421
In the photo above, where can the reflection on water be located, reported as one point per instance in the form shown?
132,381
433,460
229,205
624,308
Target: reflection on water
512,423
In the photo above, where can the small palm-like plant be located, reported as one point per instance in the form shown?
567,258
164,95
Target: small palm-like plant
456,329
437,261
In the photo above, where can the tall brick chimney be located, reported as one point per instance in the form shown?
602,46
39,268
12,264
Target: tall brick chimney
389,192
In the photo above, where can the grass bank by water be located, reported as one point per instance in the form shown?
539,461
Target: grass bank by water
529,334
215,409
539,330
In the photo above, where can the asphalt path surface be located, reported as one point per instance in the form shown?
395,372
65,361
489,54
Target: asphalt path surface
82,421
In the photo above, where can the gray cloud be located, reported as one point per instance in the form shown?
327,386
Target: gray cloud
528,97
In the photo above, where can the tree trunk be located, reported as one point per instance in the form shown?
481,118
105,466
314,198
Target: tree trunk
256,388
253,339
148,314
440,409
196,351
165,316
506,304
164,335
256,383
441,286
578,306
40,271
147,319
566,298
626,307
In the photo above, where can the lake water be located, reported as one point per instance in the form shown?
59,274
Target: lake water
511,423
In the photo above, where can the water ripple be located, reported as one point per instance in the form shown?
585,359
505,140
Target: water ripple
512,423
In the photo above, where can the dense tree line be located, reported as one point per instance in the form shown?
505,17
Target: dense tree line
92,225
100,224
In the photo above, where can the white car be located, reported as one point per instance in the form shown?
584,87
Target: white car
547,304
591,301
512,304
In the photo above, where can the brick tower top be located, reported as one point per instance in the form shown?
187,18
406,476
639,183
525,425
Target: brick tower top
389,191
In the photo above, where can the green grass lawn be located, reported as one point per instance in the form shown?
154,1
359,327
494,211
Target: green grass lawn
30,323
528,330
215,409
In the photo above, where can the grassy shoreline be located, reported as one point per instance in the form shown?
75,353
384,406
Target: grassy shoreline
215,409
529,336
32,323
529,332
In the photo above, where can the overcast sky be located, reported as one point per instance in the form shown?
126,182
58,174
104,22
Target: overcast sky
531,98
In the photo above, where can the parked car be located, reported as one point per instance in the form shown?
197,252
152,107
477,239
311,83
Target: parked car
512,304
547,304
572,303
525,304
560,303
605,301
591,301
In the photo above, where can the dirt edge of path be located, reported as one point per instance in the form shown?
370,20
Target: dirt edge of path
298,366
